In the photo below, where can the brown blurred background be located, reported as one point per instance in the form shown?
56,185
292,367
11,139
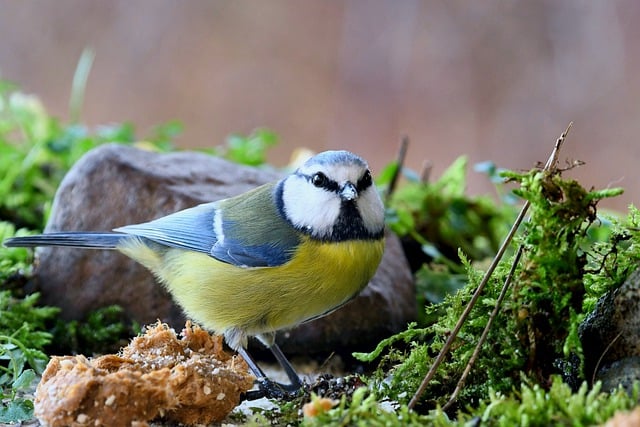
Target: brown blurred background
494,80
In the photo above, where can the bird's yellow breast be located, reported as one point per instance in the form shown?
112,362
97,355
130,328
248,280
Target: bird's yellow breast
320,277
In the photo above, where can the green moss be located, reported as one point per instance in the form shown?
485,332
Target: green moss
104,330
365,410
22,339
527,405
248,150
13,261
534,405
548,294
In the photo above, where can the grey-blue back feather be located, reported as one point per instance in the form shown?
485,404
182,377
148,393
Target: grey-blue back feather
190,229
76,239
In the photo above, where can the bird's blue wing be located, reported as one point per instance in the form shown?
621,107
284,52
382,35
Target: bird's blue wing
246,231
252,231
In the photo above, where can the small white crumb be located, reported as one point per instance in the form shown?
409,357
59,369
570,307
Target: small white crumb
82,418
206,390
109,401
221,396
66,364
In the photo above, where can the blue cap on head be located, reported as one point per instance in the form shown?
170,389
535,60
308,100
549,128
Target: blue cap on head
336,156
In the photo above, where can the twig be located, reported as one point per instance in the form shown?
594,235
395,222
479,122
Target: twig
485,332
325,363
79,84
551,162
402,154
426,171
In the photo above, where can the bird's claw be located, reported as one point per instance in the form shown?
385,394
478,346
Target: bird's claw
273,390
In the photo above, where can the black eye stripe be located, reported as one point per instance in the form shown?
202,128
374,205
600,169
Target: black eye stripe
320,180
364,182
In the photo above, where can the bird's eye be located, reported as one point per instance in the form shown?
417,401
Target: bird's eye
319,179
365,181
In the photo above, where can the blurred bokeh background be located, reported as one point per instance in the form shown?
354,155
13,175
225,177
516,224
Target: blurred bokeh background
493,80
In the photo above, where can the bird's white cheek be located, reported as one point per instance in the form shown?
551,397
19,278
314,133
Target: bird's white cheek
328,215
313,209
371,210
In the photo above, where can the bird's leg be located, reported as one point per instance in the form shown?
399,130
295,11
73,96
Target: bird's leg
261,378
294,379
257,372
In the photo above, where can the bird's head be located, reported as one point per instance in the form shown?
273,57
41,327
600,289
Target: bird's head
332,197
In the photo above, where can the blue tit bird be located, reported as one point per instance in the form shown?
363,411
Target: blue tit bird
269,259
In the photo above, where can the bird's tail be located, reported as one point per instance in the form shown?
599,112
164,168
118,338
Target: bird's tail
76,239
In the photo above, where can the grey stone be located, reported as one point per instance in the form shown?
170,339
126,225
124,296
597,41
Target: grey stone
611,332
116,185
624,372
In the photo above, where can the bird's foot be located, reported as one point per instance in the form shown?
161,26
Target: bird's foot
274,390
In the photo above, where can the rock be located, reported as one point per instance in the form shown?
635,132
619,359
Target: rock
115,185
611,333
624,372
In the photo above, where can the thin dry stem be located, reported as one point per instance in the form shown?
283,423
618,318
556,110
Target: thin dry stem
427,166
485,332
402,154
606,350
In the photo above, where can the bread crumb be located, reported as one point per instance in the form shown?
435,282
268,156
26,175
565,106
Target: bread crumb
625,419
187,380
110,400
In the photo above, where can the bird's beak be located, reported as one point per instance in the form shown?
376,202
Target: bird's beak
348,191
